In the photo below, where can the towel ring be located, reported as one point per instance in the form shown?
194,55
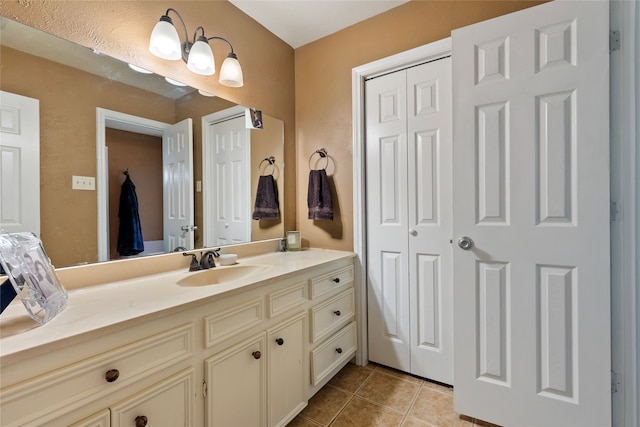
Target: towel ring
323,155
271,161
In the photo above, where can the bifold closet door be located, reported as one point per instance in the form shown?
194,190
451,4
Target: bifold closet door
408,156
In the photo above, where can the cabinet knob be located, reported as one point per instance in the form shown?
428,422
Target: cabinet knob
280,341
141,421
256,355
339,350
337,312
337,280
111,375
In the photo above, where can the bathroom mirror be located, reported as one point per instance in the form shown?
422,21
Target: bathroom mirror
41,66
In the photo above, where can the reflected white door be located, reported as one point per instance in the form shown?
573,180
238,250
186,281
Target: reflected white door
531,189
227,156
177,166
19,163
408,153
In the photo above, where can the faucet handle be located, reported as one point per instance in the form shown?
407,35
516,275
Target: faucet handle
195,266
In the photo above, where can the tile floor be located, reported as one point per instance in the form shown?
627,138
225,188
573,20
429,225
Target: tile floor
378,396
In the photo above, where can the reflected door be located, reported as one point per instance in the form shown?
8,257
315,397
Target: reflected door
531,190
19,163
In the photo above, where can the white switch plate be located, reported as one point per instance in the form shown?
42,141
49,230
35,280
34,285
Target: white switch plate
83,183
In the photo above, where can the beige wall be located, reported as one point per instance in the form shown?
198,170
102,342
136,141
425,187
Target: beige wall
323,93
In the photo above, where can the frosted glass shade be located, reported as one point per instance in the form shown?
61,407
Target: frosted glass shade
164,42
230,72
201,59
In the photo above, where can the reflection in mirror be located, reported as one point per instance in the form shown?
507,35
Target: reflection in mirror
81,225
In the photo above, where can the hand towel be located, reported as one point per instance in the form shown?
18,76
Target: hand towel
319,196
267,205
130,232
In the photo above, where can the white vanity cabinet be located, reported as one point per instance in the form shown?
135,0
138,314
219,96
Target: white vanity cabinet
248,356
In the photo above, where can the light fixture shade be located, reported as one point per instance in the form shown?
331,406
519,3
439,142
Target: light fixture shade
201,59
165,42
230,72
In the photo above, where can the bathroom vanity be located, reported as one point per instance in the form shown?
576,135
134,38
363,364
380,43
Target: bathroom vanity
243,345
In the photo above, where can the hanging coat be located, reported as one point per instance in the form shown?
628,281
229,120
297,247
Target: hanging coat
130,233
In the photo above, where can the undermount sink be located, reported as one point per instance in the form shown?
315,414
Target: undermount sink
219,275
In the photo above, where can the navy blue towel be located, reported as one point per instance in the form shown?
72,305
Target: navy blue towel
319,199
130,232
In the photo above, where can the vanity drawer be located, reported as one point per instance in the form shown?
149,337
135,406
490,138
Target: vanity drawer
331,281
339,348
46,397
226,324
332,314
286,299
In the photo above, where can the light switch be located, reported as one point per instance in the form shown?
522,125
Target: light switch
83,183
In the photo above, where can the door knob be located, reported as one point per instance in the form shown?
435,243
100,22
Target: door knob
413,232
465,243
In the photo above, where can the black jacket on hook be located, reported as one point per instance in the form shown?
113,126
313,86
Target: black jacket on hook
130,240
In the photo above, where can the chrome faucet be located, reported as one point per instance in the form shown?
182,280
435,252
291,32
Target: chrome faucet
208,259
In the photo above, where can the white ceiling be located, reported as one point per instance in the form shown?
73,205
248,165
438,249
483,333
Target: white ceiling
299,22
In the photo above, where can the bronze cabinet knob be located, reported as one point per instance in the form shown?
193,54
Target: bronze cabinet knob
339,350
256,355
337,280
279,341
337,312
111,375
141,421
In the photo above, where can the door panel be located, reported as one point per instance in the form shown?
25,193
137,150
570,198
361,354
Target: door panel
531,188
177,165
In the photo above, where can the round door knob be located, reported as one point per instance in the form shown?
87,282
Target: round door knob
413,232
141,421
337,312
465,243
279,341
111,375
339,350
256,355
337,280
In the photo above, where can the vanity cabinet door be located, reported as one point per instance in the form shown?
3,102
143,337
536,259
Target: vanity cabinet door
287,370
237,385
168,403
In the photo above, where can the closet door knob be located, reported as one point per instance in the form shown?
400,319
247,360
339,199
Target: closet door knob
280,341
339,350
111,375
256,355
337,312
141,421
465,243
337,280
413,232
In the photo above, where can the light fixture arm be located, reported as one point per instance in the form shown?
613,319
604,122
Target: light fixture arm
184,26
223,39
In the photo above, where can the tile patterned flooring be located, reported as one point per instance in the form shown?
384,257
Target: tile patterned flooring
378,396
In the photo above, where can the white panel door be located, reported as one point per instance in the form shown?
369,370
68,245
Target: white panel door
177,166
531,189
429,130
410,299
387,221
19,163
229,186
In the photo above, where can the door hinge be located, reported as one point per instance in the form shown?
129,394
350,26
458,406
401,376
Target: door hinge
615,382
614,40
613,211
204,389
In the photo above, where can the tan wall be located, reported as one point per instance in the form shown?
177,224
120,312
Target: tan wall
122,28
323,93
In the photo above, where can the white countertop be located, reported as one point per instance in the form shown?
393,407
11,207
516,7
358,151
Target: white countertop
92,308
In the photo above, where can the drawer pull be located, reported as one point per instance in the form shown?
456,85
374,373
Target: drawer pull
279,341
256,355
339,350
111,375
141,421
337,280
337,312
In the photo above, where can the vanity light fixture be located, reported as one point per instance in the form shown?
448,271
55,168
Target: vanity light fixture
165,43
